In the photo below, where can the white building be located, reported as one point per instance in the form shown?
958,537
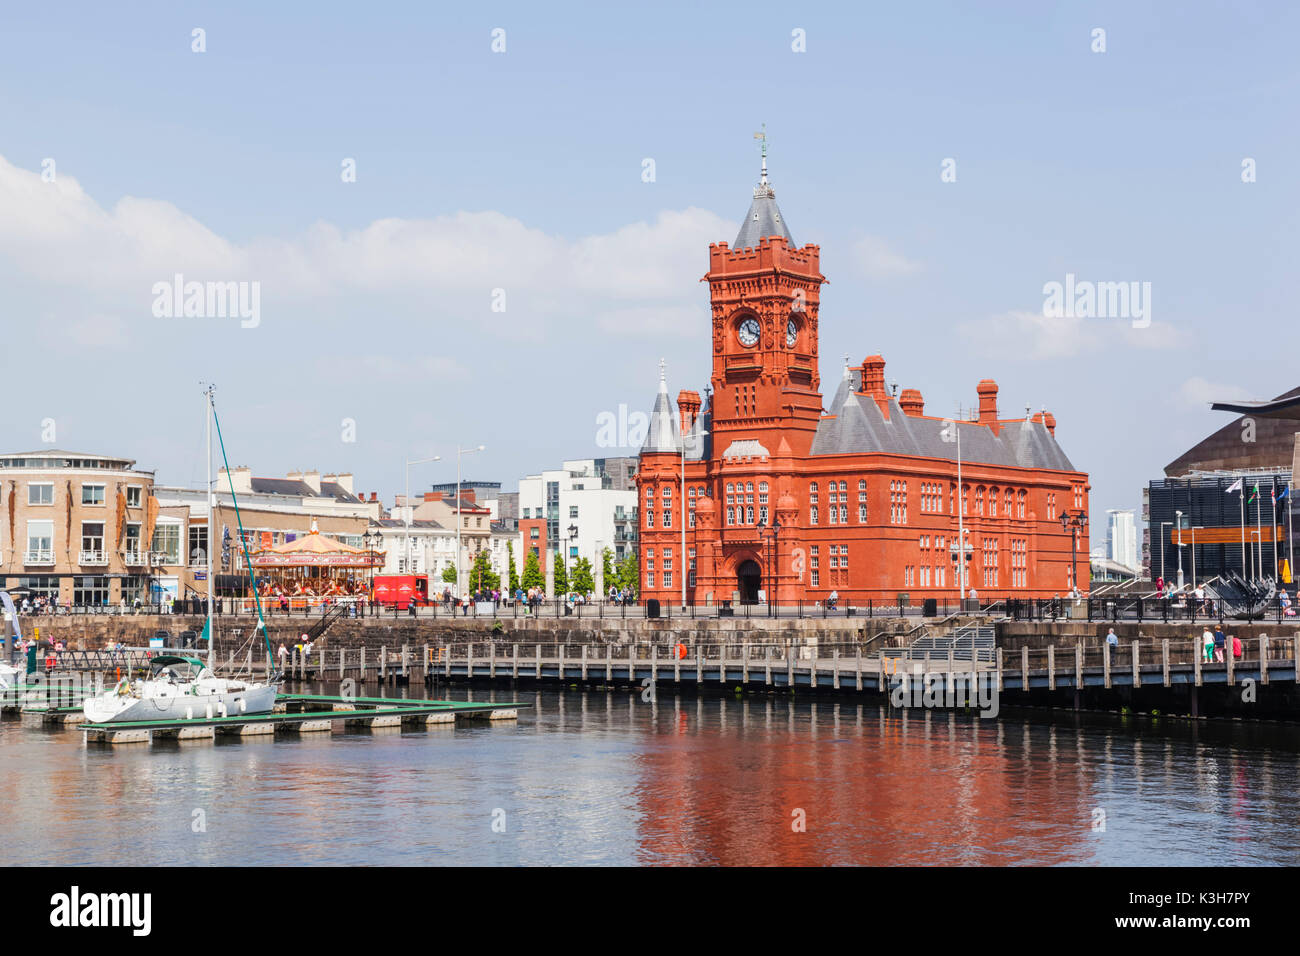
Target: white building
596,497
1121,538
427,545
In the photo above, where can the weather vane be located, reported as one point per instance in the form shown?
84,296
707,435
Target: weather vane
762,136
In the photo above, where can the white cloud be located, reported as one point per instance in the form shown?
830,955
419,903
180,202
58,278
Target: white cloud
1197,392
55,233
1032,335
876,259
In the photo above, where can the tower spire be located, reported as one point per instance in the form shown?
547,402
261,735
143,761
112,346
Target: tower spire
762,135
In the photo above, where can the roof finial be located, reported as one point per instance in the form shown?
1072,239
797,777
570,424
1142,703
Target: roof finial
662,377
763,149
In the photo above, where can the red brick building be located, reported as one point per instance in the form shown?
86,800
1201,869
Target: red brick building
784,498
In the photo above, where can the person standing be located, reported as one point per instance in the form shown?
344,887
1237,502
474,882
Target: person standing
1207,645
1112,638
1219,641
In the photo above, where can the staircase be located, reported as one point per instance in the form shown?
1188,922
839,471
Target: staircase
969,642
330,615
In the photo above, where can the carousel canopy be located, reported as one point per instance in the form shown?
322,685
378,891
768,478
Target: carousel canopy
316,551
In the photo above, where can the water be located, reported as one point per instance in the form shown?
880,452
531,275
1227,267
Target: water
604,778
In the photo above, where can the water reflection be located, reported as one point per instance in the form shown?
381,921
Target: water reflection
604,777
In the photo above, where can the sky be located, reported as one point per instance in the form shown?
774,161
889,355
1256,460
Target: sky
502,271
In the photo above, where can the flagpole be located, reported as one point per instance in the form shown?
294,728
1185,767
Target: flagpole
1259,531
1242,496
1272,526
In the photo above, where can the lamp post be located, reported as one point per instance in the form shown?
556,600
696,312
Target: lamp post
1178,517
573,536
684,511
1076,521
460,452
772,533
370,539
406,544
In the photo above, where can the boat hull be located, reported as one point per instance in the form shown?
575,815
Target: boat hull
112,709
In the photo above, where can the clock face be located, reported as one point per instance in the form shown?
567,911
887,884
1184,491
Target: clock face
791,332
748,332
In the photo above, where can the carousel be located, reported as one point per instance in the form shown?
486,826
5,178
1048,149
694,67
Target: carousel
314,569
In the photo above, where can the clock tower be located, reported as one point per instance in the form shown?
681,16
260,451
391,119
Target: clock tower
764,292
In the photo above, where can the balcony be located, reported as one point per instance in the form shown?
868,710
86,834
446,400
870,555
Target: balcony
134,558
159,558
92,558
38,557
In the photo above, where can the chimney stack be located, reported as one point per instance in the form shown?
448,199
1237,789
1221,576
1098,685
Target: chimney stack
688,408
988,393
873,377
912,403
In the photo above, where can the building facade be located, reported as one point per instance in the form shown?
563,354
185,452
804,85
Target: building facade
1121,538
595,497
85,529
785,499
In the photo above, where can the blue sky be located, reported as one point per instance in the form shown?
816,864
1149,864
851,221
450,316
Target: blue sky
522,171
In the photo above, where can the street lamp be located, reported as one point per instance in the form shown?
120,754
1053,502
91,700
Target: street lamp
406,545
960,549
460,452
573,536
1076,521
774,533
1178,517
684,510
370,540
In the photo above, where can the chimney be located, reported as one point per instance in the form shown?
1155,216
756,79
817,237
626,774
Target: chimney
873,377
433,496
241,478
1050,420
342,479
311,479
688,408
988,393
374,496
912,403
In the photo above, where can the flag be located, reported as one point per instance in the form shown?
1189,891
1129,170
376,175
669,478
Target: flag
1285,491
1254,494
1235,486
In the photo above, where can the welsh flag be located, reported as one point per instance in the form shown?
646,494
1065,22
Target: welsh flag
1254,494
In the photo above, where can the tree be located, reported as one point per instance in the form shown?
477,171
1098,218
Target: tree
607,568
481,575
561,574
514,575
449,575
533,577
583,580
629,575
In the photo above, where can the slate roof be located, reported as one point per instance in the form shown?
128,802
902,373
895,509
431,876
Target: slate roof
283,486
854,424
763,219
663,433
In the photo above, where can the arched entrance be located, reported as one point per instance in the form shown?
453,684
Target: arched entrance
749,578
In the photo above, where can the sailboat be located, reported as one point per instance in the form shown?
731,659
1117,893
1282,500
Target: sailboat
184,687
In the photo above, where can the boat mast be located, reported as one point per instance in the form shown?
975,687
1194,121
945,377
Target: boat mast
207,422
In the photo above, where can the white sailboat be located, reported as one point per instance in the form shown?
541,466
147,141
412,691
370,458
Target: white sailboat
184,687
